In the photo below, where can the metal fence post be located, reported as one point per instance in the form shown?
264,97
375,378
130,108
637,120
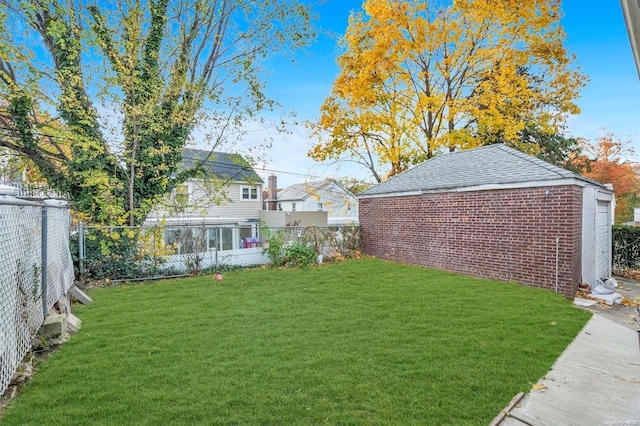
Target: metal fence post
44,246
81,248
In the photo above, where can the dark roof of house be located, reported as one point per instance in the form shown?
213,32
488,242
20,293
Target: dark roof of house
488,165
223,165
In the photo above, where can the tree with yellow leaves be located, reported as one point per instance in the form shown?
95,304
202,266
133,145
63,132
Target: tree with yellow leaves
418,78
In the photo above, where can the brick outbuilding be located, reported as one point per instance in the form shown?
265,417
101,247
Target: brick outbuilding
493,212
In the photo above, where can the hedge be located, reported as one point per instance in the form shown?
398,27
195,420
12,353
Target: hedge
626,247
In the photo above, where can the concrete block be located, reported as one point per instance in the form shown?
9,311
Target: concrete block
80,295
54,326
73,323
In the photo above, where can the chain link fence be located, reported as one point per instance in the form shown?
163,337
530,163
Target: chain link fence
36,270
147,252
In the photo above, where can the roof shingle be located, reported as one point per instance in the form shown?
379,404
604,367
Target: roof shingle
226,166
488,165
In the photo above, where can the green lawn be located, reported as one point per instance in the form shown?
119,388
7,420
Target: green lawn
359,342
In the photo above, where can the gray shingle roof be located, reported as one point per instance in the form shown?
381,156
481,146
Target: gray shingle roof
300,191
487,165
226,166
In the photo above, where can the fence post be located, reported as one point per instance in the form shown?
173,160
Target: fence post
81,248
43,246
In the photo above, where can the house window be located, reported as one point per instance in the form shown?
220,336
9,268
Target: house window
280,207
185,240
249,193
293,207
319,207
221,238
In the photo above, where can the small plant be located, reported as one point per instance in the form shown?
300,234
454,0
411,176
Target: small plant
299,255
275,249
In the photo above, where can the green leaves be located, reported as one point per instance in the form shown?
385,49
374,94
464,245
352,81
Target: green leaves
119,86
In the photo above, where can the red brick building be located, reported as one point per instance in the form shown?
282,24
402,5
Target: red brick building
493,212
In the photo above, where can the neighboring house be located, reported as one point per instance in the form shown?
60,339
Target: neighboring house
493,212
636,218
319,196
226,204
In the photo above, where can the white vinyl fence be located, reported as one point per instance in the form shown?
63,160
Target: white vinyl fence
35,271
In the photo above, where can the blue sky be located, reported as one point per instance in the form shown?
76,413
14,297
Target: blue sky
596,34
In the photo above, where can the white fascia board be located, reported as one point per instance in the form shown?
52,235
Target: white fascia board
602,195
391,194
490,187
193,221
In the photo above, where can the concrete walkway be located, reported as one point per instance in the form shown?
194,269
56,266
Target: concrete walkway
596,381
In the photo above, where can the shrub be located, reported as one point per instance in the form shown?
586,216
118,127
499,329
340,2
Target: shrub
299,255
626,247
275,250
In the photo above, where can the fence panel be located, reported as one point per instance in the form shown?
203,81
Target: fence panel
20,284
60,274
25,229
136,253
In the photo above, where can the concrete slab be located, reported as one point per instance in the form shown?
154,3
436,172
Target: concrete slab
596,381
73,323
54,326
80,295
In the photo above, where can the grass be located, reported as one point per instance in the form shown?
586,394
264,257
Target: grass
359,342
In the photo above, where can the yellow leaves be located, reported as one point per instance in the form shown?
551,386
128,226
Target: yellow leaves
539,387
417,78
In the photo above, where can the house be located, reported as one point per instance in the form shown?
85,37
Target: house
493,212
225,203
318,196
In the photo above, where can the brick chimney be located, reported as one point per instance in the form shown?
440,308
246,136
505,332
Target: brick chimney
272,203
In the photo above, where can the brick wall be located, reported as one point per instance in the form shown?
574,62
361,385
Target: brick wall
505,234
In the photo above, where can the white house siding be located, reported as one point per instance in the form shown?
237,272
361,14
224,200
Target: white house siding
233,207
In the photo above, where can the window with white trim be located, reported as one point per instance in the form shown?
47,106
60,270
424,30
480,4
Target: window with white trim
248,193
293,207
319,207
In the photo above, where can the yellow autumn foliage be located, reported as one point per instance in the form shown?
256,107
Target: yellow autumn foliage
418,77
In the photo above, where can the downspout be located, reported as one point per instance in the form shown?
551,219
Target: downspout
557,261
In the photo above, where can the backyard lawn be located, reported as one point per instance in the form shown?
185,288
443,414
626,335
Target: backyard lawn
359,342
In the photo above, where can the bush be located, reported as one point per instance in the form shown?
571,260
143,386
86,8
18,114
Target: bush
626,247
299,255
275,250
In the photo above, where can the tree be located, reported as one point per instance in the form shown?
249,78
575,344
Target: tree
162,66
417,78
607,161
